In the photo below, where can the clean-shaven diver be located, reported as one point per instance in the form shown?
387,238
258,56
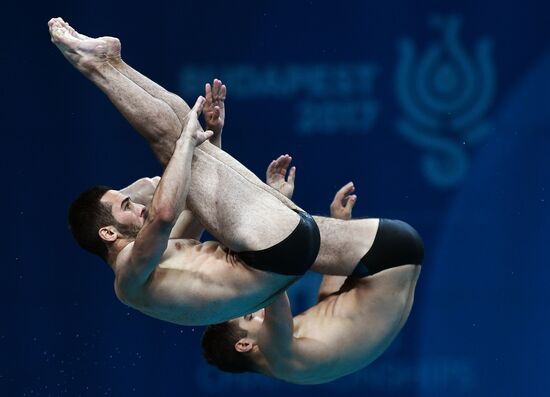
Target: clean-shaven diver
354,321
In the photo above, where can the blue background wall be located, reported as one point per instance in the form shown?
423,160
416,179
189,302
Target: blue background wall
438,111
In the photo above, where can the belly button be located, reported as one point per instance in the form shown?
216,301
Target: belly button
178,245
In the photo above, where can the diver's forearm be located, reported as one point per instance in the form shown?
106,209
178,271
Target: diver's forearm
171,193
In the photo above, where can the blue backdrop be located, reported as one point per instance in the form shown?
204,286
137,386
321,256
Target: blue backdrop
438,111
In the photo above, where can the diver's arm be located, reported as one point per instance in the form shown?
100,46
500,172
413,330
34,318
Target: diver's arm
187,226
276,334
167,204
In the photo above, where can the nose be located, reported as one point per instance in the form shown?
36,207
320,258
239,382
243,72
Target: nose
141,210
260,313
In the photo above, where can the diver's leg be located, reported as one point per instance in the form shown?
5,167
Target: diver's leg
361,247
154,112
153,118
242,214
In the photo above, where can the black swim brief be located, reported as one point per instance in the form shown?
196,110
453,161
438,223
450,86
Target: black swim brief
294,255
396,243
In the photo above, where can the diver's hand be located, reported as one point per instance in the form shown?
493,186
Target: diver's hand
193,130
214,109
277,172
343,202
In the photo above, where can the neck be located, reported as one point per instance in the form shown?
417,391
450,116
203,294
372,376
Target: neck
115,249
261,364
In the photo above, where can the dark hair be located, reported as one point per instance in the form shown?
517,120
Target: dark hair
218,348
87,214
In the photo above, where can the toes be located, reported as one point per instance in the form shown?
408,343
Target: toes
54,21
62,36
66,28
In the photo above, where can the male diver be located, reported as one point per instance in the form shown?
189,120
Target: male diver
265,242
353,322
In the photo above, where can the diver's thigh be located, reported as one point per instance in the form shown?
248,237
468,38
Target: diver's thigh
343,244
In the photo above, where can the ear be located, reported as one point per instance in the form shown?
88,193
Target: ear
244,345
108,233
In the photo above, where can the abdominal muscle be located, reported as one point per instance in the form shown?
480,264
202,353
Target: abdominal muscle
203,283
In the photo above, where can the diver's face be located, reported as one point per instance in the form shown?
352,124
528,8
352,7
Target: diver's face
127,213
252,323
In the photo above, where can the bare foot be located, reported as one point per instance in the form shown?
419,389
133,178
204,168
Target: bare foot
83,52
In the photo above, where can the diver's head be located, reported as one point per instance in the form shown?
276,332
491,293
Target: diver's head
101,215
232,346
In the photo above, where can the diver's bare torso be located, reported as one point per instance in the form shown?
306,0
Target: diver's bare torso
197,283
347,331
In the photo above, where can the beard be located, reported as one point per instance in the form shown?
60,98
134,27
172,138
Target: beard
128,231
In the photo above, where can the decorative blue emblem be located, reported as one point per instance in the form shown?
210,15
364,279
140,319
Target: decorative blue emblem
445,95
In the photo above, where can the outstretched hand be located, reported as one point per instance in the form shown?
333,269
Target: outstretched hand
193,129
214,108
276,175
343,202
